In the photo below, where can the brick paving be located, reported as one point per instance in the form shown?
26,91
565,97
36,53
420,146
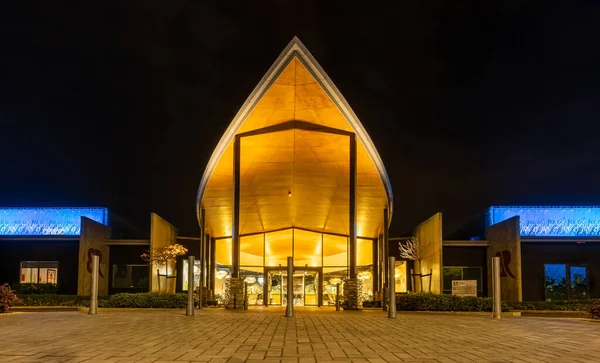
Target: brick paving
314,335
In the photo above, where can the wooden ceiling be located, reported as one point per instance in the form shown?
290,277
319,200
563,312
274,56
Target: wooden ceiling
294,177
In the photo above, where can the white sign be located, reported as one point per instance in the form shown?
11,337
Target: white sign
464,287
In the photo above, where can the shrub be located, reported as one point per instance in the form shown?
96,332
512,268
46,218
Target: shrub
145,300
36,288
141,300
431,302
7,298
595,309
371,304
564,305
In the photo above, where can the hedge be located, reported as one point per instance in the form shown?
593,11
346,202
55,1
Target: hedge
431,302
124,300
570,305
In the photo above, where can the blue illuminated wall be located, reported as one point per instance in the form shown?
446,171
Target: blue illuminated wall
551,221
47,221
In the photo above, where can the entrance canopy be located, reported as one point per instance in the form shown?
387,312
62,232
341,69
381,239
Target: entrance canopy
294,135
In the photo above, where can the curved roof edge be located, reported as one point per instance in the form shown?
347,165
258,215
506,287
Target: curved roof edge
295,47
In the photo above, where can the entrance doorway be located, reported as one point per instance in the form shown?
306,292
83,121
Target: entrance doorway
307,286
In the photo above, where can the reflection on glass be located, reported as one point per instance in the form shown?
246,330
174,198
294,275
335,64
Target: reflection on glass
252,250
278,247
331,277
578,277
185,277
335,250
366,275
254,279
364,252
556,282
400,276
307,248
221,274
451,274
223,251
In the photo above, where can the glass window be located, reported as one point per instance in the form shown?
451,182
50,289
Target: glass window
223,251
185,277
221,275
335,250
366,275
400,276
252,250
130,276
254,278
451,274
462,273
364,252
556,282
39,272
307,248
331,277
278,247
578,286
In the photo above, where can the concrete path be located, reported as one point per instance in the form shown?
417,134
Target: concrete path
261,334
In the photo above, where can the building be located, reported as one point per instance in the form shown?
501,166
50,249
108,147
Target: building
546,252
297,175
54,246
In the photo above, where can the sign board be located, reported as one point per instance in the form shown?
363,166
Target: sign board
464,287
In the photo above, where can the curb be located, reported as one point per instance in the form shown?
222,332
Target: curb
473,313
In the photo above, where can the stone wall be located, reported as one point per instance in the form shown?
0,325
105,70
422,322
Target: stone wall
352,294
429,234
234,293
162,233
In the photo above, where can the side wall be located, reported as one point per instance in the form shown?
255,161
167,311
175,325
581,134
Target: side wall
93,241
429,234
505,242
12,252
162,233
536,254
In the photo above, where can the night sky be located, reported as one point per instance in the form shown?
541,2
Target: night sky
470,103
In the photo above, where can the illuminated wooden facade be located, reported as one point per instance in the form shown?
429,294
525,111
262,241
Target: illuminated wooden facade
294,158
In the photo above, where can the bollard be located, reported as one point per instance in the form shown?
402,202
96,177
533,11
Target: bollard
392,288
497,311
337,297
94,287
289,311
245,295
190,305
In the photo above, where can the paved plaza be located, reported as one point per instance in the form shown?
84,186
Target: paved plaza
322,335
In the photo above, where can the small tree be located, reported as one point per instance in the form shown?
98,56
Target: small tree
411,250
164,256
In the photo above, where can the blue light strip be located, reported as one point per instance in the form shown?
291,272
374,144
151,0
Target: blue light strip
550,221
47,221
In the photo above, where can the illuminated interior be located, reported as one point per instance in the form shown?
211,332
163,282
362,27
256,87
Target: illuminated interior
321,256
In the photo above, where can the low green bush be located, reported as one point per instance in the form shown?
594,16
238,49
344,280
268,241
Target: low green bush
566,305
145,300
431,302
371,304
35,289
140,300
